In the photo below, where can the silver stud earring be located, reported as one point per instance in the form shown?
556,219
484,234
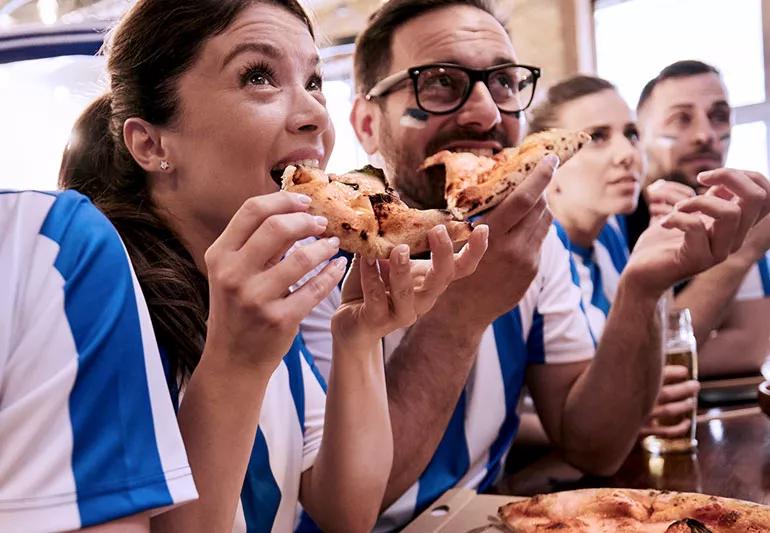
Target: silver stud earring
165,165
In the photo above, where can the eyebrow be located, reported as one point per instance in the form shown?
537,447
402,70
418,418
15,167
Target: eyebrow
499,60
266,49
718,103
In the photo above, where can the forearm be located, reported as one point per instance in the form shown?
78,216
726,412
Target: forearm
425,377
709,295
742,342
344,488
218,419
610,401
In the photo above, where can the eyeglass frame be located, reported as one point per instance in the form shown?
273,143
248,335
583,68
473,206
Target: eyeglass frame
388,84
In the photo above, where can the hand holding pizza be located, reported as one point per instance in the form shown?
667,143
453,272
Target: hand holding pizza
380,297
253,315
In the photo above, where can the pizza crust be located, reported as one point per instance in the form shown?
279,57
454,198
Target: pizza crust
366,215
477,183
634,511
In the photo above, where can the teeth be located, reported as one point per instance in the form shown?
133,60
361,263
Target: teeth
485,152
304,162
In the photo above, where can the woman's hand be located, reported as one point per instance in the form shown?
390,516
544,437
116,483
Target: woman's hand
253,315
380,298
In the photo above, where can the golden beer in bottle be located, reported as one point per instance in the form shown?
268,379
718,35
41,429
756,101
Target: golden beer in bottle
681,350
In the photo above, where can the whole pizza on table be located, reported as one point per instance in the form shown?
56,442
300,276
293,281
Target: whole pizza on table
633,511
370,218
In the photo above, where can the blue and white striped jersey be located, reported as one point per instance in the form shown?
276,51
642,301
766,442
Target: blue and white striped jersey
87,429
598,270
288,439
546,327
756,284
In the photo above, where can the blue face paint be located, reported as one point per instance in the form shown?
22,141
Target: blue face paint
414,118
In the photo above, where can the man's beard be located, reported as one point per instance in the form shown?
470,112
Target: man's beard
425,189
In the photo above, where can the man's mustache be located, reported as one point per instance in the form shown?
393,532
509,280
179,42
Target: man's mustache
460,135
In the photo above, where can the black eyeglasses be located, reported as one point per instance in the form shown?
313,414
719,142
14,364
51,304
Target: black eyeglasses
443,88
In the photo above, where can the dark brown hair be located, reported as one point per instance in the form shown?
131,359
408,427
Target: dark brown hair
373,45
545,114
149,50
679,69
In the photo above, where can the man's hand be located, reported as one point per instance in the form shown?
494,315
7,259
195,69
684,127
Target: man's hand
684,243
676,402
517,228
663,195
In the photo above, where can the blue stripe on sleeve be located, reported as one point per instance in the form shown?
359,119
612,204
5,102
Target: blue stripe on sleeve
512,354
260,495
296,382
311,362
616,246
535,339
764,274
115,459
450,462
598,297
564,238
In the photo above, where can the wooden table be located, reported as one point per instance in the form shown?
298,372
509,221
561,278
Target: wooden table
733,459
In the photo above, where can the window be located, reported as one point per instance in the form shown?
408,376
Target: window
636,38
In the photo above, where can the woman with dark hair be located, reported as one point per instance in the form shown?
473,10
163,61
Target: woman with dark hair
210,100
602,181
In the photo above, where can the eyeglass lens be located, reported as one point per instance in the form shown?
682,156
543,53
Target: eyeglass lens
445,88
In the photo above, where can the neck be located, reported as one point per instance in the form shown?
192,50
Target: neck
582,226
195,236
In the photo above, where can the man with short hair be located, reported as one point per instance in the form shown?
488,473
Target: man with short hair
435,74
685,124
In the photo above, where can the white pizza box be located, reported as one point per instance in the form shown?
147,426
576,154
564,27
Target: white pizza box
461,511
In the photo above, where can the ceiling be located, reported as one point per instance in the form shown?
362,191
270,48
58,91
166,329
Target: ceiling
336,20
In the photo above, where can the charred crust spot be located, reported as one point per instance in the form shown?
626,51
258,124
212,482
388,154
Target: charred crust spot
488,199
381,198
549,147
364,236
527,167
381,233
580,145
346,226
372,171
353,186
729,519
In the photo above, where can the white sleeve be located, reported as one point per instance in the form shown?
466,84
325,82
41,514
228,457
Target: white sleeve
315,408
560,318
316,332
87,430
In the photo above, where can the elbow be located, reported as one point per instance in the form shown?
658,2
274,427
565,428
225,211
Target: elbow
352,522
598,460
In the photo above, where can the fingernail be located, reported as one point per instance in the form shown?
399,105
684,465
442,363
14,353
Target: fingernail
340,263
321,221
333,242
371,261
403,256
303,199
552,160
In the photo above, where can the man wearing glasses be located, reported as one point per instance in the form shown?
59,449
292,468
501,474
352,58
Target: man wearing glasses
442,74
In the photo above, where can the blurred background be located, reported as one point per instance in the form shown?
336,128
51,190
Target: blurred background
50,70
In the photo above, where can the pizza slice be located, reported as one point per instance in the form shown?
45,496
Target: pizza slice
366,215
475,183
634,511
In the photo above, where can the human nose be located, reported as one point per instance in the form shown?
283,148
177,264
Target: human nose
480,110
626,152
704,132
308,114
